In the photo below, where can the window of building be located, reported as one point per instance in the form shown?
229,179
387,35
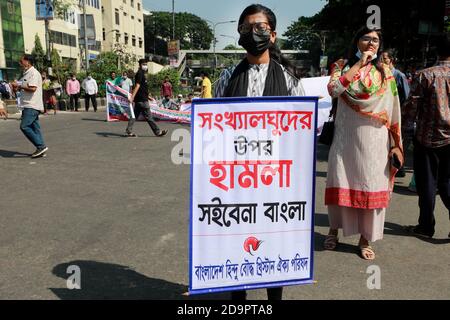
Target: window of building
117,37
140,42
62,38
139,6
124,14
69,17
96,47
10,6
117,17
133,41
126,38
132,17
91,3
132,3
104,34
139,20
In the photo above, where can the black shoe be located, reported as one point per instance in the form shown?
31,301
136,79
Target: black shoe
39,152
400,173
162,133
418,231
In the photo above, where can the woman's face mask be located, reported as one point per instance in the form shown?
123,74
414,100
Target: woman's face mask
255,43
359,55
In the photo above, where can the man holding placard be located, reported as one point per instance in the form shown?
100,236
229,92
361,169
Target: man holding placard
252,193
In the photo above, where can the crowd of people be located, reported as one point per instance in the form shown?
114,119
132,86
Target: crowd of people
378,113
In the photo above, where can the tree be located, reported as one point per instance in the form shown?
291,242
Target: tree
61,7
101,68
340,19
156,80
38,53
192,31
231,47
126,57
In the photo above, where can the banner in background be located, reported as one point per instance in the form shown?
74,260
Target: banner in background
252,193
172,115
318,87
118,105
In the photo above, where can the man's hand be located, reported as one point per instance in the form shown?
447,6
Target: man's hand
14,86
3,113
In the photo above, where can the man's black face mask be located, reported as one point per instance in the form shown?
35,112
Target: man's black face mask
255,43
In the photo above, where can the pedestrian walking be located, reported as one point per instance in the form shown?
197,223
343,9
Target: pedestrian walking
30,89
140,97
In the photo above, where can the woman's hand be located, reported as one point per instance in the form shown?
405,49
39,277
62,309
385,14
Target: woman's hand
366,57
398,153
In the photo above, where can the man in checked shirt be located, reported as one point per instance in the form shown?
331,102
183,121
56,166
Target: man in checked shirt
428,105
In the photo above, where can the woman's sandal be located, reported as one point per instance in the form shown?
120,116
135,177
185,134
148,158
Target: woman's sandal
367,252
330,242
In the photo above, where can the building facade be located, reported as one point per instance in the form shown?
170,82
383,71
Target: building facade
108,22
11,38
123,23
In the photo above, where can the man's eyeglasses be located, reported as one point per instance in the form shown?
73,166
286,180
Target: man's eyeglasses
258,27
370,39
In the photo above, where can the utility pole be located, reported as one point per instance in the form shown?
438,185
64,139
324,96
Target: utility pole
47,39
86,49
173,19
214,42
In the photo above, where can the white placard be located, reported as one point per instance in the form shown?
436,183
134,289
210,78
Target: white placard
252,193
317,86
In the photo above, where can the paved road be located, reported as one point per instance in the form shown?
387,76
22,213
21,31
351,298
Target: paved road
118,208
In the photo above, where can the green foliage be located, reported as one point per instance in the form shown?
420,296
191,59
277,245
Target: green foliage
192,31
62,6
38,53
155,81
232,47
60,70
340,19
101,68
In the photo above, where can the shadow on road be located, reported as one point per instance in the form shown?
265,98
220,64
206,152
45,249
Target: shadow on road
403,191
101,281
399,230
110,135
13,154
92,119
321,220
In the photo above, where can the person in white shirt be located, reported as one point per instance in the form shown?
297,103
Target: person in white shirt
126,83
91,89
30,87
